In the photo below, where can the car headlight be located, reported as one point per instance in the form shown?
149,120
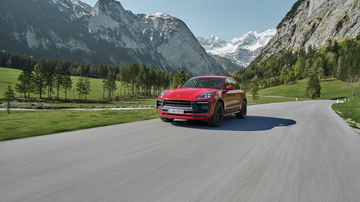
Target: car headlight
162,93
207,95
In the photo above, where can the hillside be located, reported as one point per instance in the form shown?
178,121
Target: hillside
313,23
104,34
331,88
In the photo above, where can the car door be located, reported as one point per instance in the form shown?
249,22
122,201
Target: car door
239,94
230,96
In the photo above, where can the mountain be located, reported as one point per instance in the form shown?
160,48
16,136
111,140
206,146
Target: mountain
240,51
103,34
226,64
313,23
212,42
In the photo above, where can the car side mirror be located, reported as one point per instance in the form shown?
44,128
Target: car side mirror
229,87
179,86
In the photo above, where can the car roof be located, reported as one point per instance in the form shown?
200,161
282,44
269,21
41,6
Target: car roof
220,77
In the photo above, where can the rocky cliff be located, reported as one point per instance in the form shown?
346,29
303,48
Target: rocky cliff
313,23
103,34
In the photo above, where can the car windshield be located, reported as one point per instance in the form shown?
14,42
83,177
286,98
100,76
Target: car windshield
203,83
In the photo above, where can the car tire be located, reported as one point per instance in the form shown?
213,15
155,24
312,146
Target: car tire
167,120
243,112
218,117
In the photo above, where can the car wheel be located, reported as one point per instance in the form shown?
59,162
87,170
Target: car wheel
243,112
167,120
218,117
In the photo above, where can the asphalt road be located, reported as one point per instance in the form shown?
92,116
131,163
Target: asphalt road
299,151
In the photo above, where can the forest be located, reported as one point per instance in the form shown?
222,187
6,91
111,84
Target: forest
45,78
339,59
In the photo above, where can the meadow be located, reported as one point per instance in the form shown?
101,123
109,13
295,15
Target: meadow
20,124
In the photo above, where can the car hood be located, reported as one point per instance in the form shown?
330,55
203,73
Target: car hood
186,93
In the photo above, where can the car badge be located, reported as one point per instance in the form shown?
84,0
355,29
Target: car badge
178,96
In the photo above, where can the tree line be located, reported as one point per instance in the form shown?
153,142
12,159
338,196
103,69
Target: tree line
339,59
47,78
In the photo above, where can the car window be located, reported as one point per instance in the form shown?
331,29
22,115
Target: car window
232,82
236,84
203,83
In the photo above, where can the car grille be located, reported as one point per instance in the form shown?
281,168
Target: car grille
187,106
176,103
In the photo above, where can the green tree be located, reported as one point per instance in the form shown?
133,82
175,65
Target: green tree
26,83
58,79
83,87
179,78
358,37
66,84
87,88
49,75
299,68
350,62
133,73
254,87
313,89
109,85
9,96
80,87
39,81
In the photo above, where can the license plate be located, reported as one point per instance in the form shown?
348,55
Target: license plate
176,111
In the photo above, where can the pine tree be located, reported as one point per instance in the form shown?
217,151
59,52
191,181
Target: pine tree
180,77
87,86
66,84
109,85
9,96
313,89
350,62
254,87
58,79
26,83
83,87
39,80
49,75
80,87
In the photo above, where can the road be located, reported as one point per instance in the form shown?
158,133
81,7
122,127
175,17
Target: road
297,151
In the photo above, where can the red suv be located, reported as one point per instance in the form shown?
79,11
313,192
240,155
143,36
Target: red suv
207,98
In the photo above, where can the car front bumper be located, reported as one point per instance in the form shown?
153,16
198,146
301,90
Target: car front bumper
187,116
193,110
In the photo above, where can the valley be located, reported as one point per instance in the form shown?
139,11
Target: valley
80,84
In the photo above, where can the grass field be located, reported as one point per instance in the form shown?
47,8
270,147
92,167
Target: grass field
9,77
349,111
330,89
29,124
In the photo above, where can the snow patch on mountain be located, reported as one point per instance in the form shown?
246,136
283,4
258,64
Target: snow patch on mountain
78,7
31,40
211,42
241,50
159,15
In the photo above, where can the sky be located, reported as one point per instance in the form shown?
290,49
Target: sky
226,19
